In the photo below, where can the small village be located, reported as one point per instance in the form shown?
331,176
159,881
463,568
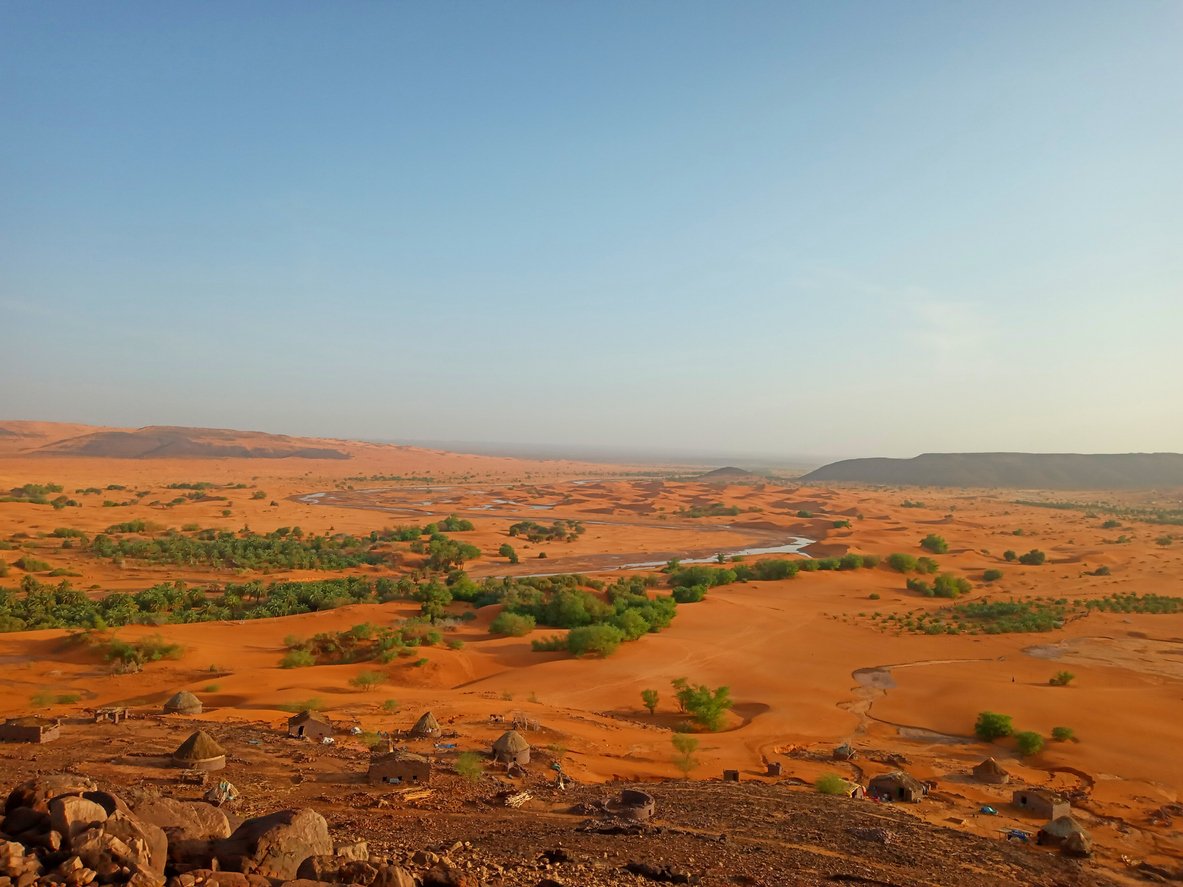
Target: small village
419,767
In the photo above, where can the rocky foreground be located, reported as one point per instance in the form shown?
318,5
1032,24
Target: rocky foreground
66,830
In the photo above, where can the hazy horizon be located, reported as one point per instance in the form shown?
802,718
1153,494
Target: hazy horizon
851,229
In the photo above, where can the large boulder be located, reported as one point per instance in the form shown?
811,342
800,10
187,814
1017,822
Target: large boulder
70,815
37,793
190,826
275,845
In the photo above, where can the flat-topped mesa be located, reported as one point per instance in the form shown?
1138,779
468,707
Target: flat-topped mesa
1028,471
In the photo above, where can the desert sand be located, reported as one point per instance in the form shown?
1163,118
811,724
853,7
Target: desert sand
807,664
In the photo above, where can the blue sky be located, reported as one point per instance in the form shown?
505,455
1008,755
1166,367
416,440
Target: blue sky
865,228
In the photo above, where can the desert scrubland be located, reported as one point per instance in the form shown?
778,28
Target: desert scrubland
849,654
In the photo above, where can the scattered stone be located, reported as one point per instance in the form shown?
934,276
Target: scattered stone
665,874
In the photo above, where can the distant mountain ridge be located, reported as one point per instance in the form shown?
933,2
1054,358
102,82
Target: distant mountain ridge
163,442
1032,471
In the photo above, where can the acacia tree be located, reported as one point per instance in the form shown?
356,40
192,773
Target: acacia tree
649,698
705,705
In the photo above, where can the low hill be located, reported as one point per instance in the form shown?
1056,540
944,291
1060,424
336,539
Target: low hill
1032,471
170,442
728,473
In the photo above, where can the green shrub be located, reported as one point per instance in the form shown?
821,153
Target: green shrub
901,563
684,747
367,680
992,575
31,564
297,659
599,640
512,624
990,726
391,706
1061,679
550,644
1063,734
831,784
469,766
1033,558
1029,743
934,543
689,594
1009,555
947,585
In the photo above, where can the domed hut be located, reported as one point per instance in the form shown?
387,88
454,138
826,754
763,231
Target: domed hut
427,727
200,752
991,772
1062,830
183,703
511,748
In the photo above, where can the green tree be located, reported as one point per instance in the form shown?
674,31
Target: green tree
991,726
1029,743
1009,554
433,598
685,746
649,698
507,551
706,706
1033,558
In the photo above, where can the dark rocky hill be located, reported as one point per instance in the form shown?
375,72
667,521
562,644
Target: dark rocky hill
1042,471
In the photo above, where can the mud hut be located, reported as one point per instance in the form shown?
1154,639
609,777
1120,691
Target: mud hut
896,786
399,768
511,748
990,771
30,729
1060,831
308,725
427,727
183,703
200,752
1041,803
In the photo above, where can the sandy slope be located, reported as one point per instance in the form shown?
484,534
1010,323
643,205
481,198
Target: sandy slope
788,650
